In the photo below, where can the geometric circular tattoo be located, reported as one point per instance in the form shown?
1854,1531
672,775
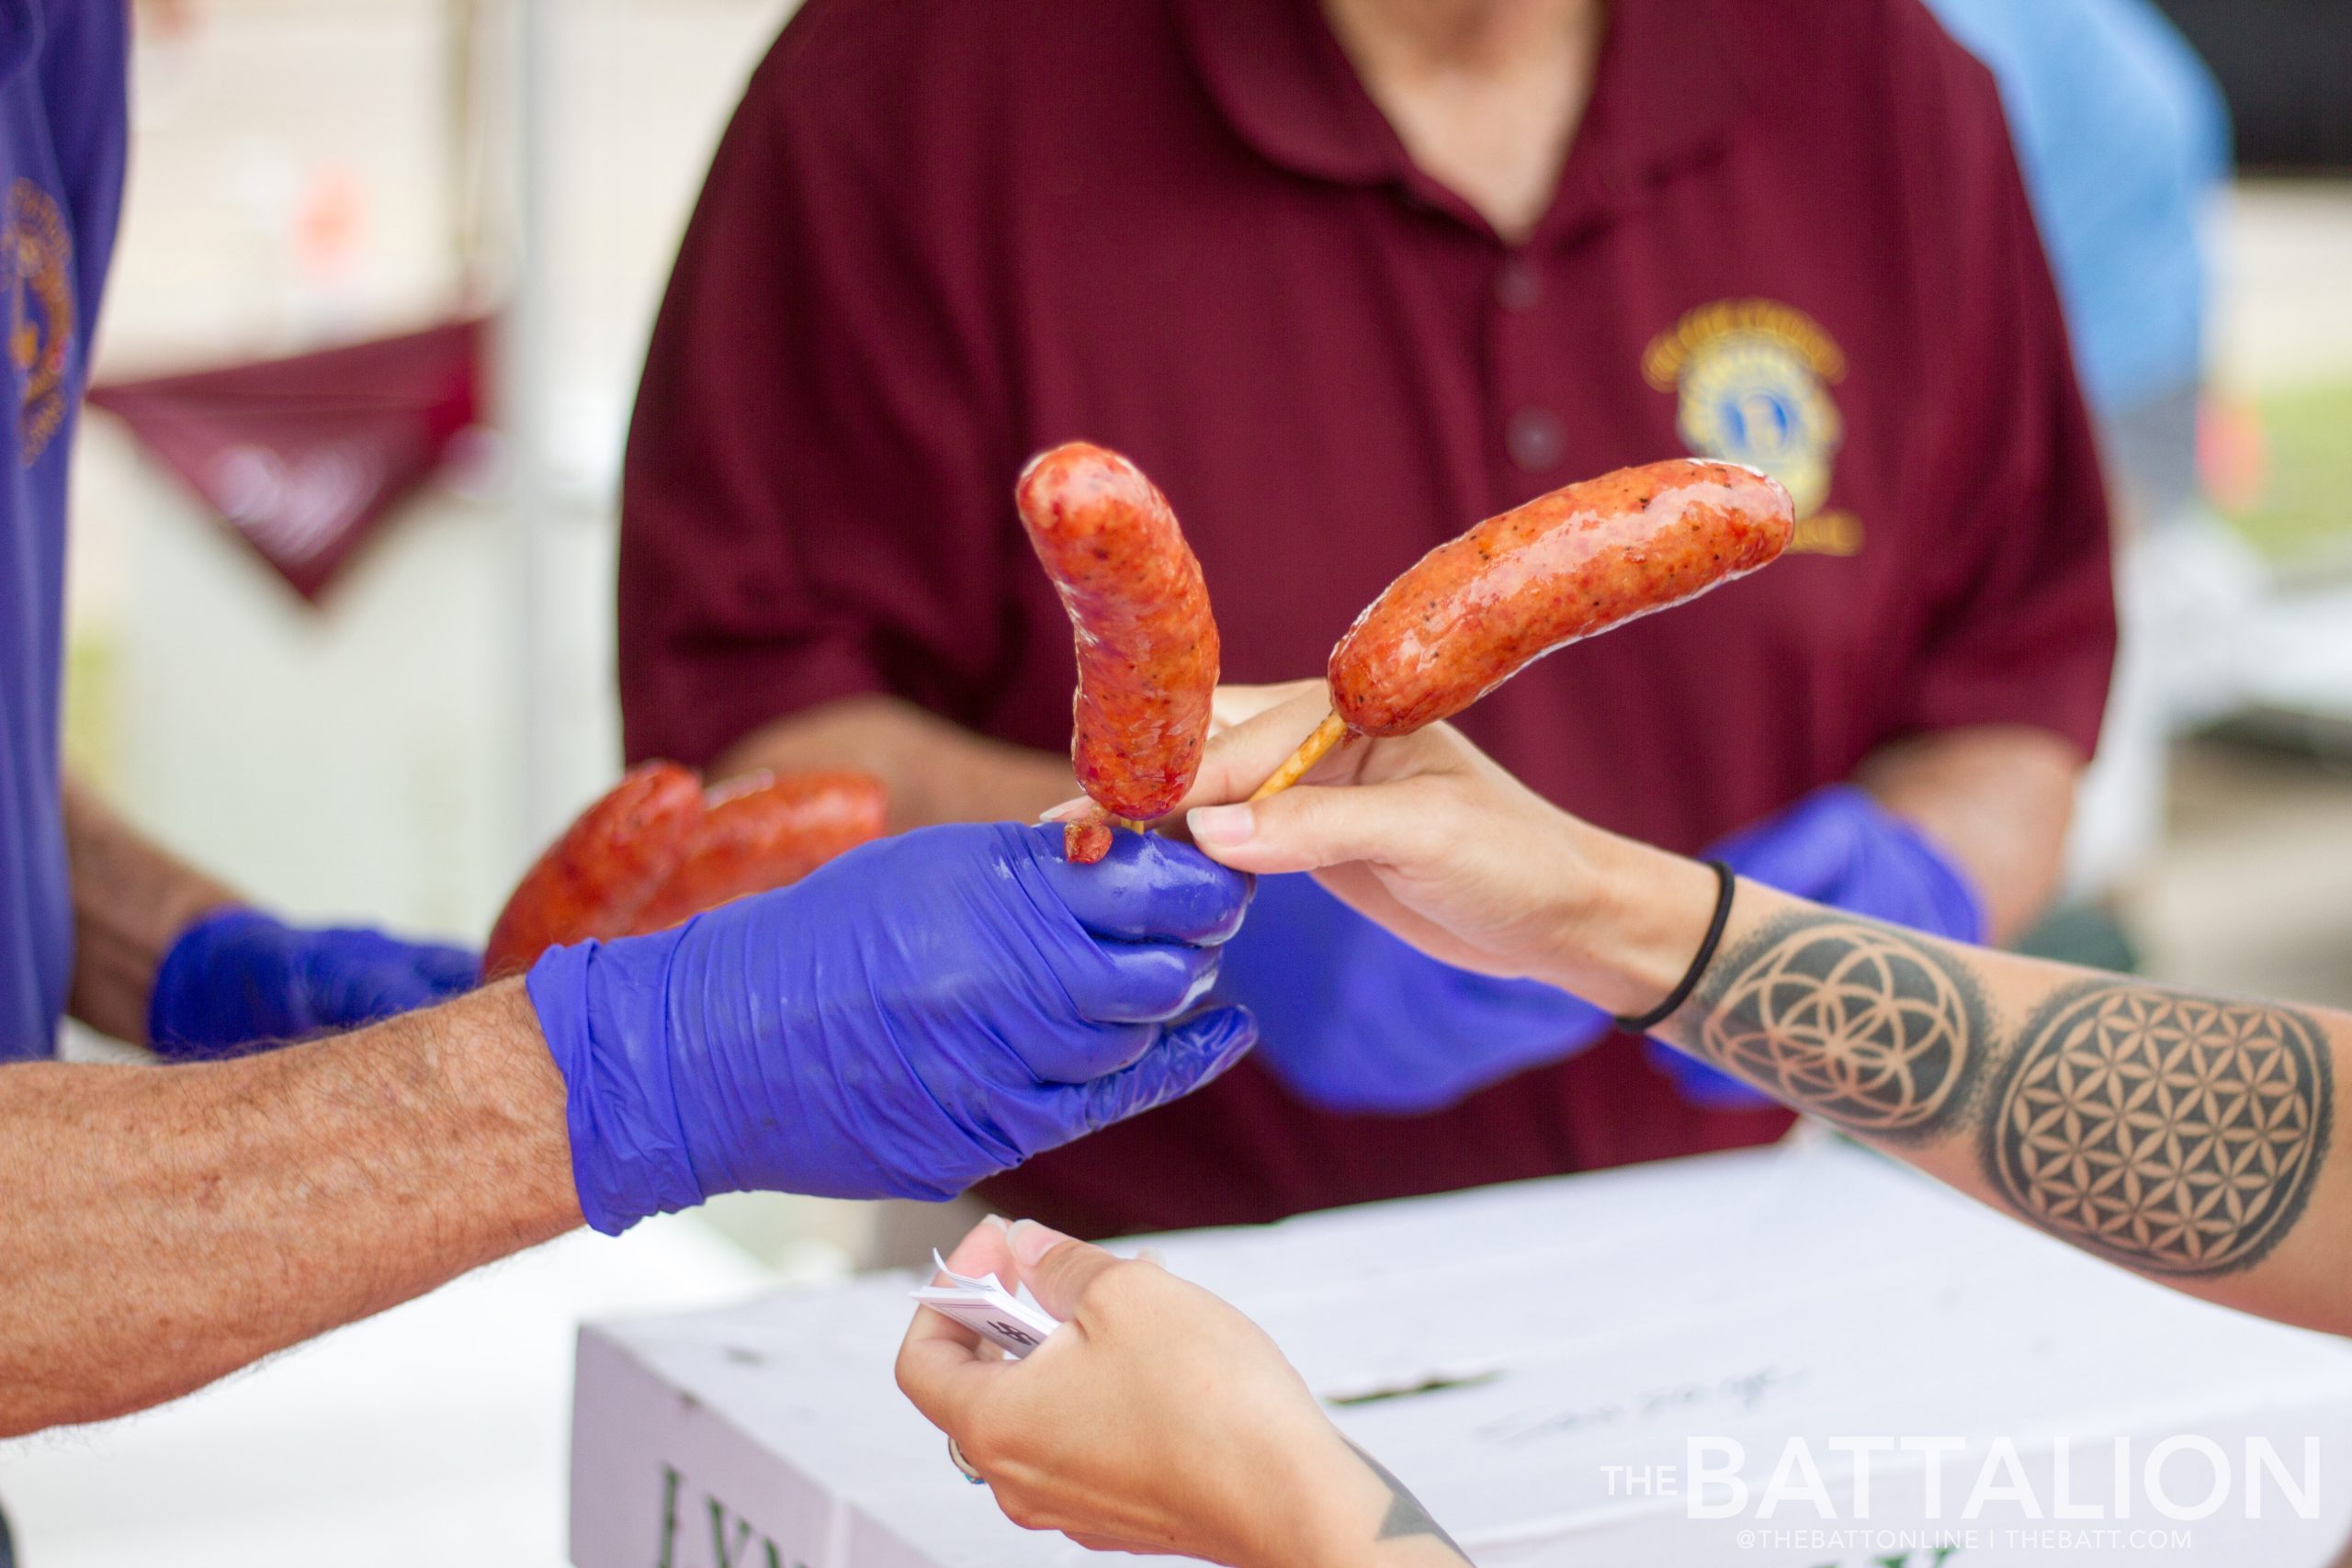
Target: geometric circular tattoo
1848,1021
2170,1133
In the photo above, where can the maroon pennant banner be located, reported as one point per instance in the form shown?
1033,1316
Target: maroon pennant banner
304,459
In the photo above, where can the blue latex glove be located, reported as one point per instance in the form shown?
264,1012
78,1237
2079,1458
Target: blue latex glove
920,1013
1354,1019
237,980
1839,847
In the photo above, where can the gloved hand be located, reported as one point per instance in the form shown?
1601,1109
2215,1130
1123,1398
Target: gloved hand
917,1014
1836,846
238,980
1354,1019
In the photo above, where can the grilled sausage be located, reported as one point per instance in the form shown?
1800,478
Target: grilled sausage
1479,608
1139,612
761,832
598,878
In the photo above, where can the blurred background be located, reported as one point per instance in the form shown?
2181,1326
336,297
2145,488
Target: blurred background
342,629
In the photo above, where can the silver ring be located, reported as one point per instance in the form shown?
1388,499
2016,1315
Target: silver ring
956,1456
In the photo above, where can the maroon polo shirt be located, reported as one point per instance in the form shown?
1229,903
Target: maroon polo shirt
943,233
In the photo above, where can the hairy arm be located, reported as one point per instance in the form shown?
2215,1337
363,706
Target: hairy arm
130,902
2184,1135
935,771
1998,799
167,1227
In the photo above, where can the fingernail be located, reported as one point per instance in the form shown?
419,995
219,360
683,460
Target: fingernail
1222,827
1151,1255
998,1221
1067,811
1031,1241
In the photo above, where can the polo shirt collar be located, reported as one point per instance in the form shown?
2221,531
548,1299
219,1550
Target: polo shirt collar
1662,96
1282,82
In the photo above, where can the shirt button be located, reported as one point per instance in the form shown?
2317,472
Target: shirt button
1516,285
1534,440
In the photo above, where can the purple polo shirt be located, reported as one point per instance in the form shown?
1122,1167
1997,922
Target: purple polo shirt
62,135
942,234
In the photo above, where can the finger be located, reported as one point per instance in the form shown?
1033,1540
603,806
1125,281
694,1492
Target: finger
1188,1055
1123,981
1055,1268
1252,730
1308,829
986,1248
1235,763
940,1368
942,1364
1146,890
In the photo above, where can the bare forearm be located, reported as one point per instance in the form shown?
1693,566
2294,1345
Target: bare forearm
2187,1136
1997,798
167,1226
131,900
935,771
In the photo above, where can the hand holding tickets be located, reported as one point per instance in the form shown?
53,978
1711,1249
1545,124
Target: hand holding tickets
1155,1418
1014,1323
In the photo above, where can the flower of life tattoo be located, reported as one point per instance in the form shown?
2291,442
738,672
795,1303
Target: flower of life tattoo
2177,1134
1849,1019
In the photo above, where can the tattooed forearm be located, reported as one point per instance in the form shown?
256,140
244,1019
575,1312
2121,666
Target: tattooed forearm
1405,1516
2174,1133
1852,1021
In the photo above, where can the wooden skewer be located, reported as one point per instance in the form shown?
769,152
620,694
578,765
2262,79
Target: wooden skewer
1311,751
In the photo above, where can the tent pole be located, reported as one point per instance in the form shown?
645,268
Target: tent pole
525,381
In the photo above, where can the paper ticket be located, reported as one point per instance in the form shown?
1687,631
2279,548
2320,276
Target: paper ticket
1015,1322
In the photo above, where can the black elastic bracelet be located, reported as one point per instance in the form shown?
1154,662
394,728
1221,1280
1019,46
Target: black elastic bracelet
1724,883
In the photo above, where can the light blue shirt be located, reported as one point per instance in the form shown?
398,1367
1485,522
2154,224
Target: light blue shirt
2124,141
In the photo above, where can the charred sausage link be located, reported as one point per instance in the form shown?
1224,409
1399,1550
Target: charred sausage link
1479,609
1139,614
596,878
763,831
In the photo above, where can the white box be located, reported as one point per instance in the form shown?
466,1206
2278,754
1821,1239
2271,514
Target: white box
1571,1339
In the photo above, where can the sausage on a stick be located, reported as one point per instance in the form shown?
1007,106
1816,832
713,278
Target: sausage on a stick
1479,609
